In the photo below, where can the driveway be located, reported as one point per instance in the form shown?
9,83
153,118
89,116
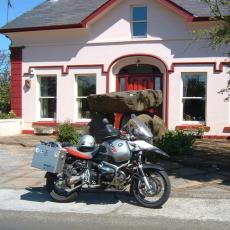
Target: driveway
198,195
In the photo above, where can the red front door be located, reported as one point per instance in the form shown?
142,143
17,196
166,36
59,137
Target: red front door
129,82
140,82
132,78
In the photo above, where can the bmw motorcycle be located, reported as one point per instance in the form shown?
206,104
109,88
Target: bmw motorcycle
116,164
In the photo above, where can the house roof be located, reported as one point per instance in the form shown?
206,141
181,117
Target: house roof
54,14
199,8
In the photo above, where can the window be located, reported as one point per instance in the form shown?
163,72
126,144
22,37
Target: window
86,85
48,94
139,21
194,96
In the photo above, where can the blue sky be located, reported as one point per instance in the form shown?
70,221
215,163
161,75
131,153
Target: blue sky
19,7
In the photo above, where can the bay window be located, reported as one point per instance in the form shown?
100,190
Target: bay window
194,96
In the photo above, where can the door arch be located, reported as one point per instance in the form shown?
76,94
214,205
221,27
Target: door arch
117,64
140,77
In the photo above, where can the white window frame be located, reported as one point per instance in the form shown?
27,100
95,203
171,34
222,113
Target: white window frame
82,97
132,21
182,98
40,97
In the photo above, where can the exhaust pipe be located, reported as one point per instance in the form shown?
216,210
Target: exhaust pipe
74,180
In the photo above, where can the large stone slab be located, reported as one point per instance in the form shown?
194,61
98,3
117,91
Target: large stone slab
128,101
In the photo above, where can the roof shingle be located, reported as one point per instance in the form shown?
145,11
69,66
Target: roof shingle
67,12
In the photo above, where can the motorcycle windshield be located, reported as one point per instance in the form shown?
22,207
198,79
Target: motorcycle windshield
139,129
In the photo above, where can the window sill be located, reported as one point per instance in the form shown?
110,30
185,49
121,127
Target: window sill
55,124
193,127
47,123
226,129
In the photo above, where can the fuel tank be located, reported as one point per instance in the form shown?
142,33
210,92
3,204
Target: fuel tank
113,150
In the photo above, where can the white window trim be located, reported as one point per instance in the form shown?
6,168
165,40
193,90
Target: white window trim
205,74
132,21
39,97
77,97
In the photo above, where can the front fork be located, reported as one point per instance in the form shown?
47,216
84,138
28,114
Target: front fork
141,172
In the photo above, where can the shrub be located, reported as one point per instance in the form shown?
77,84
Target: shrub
177,142
67,133
10,115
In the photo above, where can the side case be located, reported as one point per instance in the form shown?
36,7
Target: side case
49,157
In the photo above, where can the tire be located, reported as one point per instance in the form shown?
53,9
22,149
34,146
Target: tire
159,181
55,194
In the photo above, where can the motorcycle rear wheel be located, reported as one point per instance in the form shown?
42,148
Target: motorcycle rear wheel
160,183
57,195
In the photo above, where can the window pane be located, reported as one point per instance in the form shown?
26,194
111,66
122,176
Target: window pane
194,85
122,84
48,107
194,109
86,86
48,86
140,13
139,28
83,108
157,83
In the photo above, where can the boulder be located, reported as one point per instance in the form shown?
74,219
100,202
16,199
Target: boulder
127,101
156,124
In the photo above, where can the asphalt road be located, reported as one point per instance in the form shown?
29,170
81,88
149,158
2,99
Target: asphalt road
40,221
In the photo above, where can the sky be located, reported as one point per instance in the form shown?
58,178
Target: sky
19,7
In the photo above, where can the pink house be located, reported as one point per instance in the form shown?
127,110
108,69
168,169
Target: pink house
64,50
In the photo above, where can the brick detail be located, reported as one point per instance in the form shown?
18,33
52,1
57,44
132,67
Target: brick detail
226,129
16,80
193,127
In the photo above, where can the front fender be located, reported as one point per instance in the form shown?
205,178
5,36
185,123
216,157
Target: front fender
149,166
153,166
136,176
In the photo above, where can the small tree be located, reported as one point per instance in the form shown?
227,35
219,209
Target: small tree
4,82
218,34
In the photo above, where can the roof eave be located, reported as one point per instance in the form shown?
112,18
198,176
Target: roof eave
169,4
201,19
38,28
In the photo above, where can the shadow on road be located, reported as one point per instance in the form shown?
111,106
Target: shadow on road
39,194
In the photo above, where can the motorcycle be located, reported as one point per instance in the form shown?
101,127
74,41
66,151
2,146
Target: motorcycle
115,164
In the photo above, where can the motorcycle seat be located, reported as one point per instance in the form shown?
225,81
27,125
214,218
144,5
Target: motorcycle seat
73,151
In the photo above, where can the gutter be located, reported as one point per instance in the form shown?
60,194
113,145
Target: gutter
38,28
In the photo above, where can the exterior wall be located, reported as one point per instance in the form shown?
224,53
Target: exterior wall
217,110
97,49
66,94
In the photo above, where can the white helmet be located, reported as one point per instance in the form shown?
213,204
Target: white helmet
86,143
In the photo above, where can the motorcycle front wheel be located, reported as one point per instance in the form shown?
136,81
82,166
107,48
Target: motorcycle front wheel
56,194
159,192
